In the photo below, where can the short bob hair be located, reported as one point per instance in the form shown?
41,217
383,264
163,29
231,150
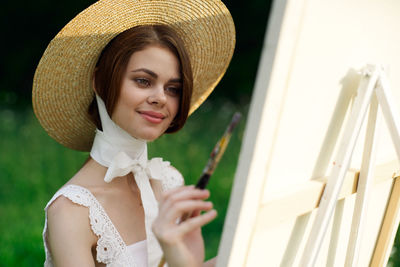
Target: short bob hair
114,59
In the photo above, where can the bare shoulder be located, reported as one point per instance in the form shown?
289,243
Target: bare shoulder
69,233
64,216
64,208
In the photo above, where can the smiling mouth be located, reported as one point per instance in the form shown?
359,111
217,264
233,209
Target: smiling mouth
151,116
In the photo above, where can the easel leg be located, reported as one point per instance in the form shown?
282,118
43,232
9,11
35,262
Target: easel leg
335,181
389,111
388,229
364,185
392,215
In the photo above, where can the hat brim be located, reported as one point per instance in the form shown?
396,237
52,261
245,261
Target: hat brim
62,86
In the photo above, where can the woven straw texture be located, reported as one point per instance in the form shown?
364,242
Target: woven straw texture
62,86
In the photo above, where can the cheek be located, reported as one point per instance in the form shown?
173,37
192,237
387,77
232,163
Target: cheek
126,94
123,106
131,97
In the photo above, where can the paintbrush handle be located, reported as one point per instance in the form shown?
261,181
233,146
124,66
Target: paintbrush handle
212,163
217,152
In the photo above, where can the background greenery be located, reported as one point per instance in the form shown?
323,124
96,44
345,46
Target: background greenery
33,166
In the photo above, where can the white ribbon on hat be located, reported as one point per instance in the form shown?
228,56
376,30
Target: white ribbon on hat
121,153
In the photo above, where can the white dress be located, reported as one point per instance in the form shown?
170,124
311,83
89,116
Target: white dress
111,249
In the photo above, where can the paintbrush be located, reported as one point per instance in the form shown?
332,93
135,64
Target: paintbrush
212,163
217,152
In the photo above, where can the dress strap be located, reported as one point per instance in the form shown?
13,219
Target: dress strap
173,178
111,249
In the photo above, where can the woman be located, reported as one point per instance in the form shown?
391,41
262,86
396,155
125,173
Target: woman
122,209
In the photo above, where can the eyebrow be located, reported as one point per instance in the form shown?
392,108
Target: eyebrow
154,75
146,71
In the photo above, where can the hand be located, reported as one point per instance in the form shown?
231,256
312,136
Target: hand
183,243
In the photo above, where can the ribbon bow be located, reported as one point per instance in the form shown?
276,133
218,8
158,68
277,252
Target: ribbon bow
142,170
121,153
122,164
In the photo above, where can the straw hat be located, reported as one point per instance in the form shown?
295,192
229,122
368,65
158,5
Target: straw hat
62,86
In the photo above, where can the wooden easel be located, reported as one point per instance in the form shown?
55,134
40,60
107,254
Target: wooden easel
373,92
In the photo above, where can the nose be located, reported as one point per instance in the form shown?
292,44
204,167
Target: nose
157,96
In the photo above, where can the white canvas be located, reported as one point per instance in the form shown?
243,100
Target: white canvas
303,94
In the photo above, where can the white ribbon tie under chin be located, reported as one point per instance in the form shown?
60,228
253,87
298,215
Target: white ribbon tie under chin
121,153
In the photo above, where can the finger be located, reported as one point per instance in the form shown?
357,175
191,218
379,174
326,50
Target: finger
194,223
183,195
196,213
189,193
187,215
175,190
178,209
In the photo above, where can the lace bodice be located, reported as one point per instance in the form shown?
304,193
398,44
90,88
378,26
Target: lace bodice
111,249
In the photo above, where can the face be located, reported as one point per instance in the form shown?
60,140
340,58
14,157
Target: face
150,93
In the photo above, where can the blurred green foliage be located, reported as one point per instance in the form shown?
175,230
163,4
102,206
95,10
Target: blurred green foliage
32,166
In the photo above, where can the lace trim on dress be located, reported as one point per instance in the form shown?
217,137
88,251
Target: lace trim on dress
172,178
111,249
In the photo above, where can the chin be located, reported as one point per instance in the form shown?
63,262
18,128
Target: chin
149,136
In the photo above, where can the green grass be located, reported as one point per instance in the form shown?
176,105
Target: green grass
33,167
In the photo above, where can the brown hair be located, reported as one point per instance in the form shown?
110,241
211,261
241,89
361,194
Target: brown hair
114,59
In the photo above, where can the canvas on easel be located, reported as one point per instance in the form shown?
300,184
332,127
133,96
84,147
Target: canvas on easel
305,91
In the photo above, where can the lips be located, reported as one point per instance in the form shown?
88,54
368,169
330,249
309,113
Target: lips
152,116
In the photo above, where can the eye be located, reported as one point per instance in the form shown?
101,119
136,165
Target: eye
174,91
142,82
